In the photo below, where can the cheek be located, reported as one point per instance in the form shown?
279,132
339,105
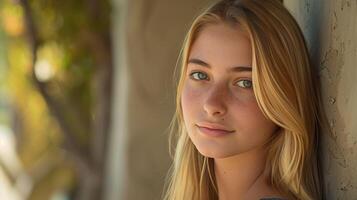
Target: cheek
245,97
189,101
260,118
254,121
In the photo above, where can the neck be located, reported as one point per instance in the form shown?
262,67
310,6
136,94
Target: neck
236,175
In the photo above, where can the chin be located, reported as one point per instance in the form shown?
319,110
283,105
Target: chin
219,154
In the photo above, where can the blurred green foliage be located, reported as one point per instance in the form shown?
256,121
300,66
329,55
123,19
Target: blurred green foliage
74,38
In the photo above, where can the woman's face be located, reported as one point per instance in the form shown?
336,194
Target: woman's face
220,111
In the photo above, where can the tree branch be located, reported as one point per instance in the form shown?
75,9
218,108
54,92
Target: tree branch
55,109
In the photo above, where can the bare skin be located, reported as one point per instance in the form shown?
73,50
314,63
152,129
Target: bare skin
217,96
253,181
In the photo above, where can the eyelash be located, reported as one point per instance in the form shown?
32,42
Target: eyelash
195,79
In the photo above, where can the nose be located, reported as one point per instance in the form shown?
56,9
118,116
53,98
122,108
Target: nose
215,102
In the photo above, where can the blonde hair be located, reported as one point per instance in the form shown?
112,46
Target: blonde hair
286,91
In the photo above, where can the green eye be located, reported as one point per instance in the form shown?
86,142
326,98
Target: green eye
198,76
245,83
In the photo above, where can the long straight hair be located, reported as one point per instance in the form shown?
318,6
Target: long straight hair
286,91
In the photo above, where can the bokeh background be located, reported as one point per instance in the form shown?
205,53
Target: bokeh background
87,94
56,79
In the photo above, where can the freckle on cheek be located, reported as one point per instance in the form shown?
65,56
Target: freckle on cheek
249,99
189,92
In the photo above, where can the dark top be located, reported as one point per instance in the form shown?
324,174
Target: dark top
272,198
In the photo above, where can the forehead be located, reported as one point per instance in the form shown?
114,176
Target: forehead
222,44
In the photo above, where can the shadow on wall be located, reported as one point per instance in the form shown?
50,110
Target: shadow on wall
330,28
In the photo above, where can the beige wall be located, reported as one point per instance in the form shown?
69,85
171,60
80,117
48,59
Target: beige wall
148,36
330,27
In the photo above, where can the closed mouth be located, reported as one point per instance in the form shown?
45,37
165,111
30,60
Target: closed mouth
214,127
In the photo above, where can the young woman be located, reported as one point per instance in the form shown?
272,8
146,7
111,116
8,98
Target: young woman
248,110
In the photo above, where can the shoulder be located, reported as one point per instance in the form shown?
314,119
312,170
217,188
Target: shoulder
263,190
268,193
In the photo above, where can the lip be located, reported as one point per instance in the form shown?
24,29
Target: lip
213,129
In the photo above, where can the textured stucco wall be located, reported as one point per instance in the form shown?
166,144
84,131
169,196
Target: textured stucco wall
330,27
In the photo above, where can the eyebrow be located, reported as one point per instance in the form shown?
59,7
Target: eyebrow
234,69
